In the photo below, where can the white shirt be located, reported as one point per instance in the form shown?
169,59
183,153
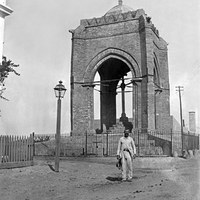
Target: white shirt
126,143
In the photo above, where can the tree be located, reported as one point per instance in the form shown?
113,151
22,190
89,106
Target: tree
5,68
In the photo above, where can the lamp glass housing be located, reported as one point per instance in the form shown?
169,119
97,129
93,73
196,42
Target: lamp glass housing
60,90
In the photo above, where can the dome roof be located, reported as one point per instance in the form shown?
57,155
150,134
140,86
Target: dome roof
120,8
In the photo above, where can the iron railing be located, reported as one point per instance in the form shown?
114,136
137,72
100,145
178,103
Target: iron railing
148,143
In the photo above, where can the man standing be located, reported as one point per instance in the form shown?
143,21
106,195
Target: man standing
126,151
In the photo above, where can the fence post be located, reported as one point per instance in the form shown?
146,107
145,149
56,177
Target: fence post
32,147
33,136
86,143
198,141
106,142
96,146
171,142
9,149
138,143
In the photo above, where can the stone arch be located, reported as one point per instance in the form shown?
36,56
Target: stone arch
96,62
109,118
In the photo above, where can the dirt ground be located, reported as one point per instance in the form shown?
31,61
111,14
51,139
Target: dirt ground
99,179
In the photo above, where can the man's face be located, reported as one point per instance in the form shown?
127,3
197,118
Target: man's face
126,133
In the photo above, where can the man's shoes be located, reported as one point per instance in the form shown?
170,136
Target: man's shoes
123,180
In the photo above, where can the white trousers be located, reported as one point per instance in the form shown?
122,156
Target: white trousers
127,165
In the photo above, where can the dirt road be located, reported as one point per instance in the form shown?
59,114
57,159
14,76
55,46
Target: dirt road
99,179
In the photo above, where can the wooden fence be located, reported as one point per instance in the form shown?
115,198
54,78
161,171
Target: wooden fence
16,151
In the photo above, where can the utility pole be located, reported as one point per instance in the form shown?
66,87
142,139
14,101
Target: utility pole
179,89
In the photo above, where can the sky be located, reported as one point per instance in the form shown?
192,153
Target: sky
37,38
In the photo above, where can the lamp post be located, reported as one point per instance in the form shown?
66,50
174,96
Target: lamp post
59,92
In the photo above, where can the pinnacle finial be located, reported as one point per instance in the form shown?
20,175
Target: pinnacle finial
120,2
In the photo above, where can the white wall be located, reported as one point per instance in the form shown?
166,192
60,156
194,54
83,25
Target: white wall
4,11
1,36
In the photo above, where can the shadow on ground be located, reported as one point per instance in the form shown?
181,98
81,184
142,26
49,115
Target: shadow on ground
114,178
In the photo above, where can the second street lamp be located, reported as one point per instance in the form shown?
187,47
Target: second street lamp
59,92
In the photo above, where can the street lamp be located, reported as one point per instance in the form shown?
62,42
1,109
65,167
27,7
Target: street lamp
59,92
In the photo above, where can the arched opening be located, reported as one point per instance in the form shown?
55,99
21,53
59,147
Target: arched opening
113,94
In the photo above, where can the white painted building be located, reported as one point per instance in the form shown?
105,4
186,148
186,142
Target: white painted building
4,12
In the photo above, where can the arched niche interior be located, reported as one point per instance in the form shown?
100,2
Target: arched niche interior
109,79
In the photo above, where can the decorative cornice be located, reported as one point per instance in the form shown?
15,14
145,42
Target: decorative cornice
5,10
155,30
149,24
109,19
103,36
